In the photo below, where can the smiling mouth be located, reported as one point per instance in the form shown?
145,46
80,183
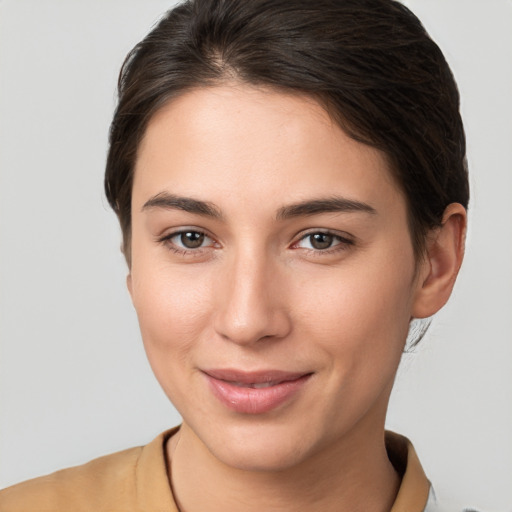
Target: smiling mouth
255,385
255,392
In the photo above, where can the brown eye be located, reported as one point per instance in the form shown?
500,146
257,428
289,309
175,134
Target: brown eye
321,240
191,239
188,242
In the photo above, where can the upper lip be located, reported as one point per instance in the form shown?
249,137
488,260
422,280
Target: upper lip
254,377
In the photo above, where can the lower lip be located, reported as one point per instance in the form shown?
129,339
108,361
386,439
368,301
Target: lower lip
247,400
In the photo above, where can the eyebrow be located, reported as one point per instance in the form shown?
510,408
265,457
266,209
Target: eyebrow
311,207
172,202
327,205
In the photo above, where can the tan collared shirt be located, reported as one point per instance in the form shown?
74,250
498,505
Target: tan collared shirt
135,480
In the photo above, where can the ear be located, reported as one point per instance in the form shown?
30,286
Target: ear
442,261
129,284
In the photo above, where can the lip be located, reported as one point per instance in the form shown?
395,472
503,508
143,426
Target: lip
255,392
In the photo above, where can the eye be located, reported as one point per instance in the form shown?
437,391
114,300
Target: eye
187,240
322,241
319,241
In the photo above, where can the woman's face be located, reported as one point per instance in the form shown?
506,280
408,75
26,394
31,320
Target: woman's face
272,273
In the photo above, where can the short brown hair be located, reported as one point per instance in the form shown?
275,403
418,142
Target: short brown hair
370,63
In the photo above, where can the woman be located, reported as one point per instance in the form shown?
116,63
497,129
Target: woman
291,184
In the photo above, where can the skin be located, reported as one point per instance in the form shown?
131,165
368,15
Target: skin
257,295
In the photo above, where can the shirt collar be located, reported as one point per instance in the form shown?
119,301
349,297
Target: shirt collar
154,491
414,490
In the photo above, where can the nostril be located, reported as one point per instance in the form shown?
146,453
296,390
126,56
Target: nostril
254,327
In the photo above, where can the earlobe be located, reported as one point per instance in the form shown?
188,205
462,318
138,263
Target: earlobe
129,284
443,258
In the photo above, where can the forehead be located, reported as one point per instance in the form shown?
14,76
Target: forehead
256,143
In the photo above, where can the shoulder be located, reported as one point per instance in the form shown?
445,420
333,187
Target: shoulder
106,483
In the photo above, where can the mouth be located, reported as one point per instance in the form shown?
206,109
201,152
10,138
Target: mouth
256,385
255,392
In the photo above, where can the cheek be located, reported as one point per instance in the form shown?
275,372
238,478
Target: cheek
361,315
359,322
172,309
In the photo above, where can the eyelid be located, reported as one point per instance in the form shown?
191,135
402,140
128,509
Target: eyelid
344,240
170,232
166,240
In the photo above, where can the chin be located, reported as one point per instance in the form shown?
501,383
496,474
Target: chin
265,448
259,456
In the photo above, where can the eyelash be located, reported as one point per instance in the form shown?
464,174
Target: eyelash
183,251
343,243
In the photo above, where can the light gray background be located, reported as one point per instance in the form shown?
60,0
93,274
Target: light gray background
74,381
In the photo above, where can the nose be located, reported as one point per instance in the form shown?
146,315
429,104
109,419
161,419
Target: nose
252,304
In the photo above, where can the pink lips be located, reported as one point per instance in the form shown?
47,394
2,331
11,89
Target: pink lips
254,392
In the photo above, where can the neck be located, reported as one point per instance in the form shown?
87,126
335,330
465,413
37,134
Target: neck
353,475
